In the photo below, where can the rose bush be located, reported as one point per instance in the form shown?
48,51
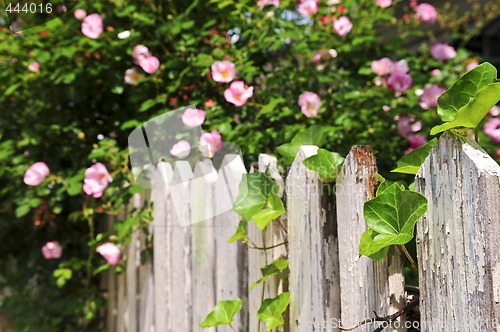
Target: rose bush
259,72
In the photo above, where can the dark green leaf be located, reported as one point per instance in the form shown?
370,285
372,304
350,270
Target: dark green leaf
327,164
410,163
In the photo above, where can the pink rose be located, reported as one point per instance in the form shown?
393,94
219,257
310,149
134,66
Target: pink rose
443,52
181,149
51,250
308,7
34,67
132,77
263,3
36,173
400,66
494,111
238,94
408,126
80,14
140,52
92,26
498,153
382,66
384,3
309,103
416,141
223,71
342,25
110,252
209,103
193,117
96,180
435,72
492,130
210,143
150,64
472,65
430,95
426,13
399,82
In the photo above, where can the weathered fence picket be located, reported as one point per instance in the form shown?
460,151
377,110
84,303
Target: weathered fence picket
367,286
313,251
194,266
458,239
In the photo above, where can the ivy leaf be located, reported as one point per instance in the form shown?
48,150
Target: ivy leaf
365,246
253,189
271,310
327,164
271,106
473,113
314,135
22,210
62,275
410,163
223,313
241,232
392,215
464,90
275,267
274,209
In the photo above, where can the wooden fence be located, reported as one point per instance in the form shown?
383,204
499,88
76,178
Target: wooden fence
194,266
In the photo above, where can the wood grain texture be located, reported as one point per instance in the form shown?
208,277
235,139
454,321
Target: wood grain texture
313,251
458,239
370,286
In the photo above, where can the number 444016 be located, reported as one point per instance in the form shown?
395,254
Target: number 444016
32,8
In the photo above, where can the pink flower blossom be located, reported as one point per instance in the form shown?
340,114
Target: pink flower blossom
181,149
193,117
308,7
342,25
416,141
400,66
52,250
238,94
429,97
36,173
132,77
472,65
263,3
384,3
408,126
382,66
494,111
34,67
92,26
210,143
443,52
80,14
140,52
223,71
110,252
426,13
96,180
435,72
150,64
209,103
492,130
399,82
309,103
498,153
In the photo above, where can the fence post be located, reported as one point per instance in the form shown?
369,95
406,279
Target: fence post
272,235
230,258
313,250
368,286
458,238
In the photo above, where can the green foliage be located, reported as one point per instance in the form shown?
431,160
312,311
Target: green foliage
223,313
275,267
469,99
411,162
314,135
391,218
327,164
271,310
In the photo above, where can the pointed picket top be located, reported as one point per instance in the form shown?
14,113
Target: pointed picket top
205,168
161,175
457,238
226,187
305,152
270,163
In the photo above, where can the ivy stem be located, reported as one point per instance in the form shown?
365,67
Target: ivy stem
408,256
232,328
266,248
